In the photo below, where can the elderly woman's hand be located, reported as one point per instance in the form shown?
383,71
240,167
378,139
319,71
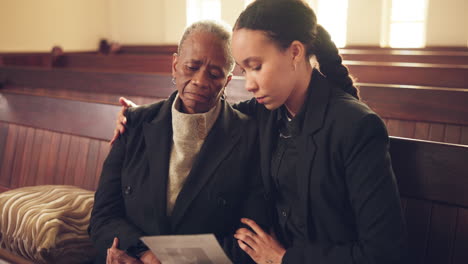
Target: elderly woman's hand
121,119
261,246
149,258
117,256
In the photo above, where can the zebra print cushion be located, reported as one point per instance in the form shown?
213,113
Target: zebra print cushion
47,223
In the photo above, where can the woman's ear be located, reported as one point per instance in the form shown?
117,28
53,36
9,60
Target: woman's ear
175,58
297,50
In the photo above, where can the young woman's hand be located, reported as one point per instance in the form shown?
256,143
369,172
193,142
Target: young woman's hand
262,247
121,119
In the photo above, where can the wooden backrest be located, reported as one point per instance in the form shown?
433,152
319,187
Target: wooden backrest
430,113
128,63
47,139
438,75
433,183
395,55
56,141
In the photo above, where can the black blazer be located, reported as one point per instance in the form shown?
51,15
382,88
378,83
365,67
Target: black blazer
224,183
346,183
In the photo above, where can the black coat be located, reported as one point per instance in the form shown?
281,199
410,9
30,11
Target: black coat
346,183
224,183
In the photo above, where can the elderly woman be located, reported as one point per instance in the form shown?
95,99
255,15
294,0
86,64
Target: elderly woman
186,165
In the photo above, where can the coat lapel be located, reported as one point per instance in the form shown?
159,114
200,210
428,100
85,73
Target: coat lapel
158,139
317,103
218,144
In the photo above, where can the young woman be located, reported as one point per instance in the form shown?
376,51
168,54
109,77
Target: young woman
324,154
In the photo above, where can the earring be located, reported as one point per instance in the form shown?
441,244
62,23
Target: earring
224,95
173,80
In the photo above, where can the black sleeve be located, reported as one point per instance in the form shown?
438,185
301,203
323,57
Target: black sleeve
108,218
249,107
254,206
374,199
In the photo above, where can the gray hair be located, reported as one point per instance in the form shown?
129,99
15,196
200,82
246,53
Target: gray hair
220,30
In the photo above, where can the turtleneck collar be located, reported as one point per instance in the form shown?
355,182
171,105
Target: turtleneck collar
192,126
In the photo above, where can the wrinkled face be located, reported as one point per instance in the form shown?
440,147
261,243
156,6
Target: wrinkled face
200,72
268,70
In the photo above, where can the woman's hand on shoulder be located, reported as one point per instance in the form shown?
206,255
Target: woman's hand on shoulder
121,119
259,245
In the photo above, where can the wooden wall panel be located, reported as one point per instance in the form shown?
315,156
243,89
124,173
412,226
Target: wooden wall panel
9,154
64,151
437,132
54,156
3,145
44,152
422,130
36,148
452,134
464,135
104,149
15,173
45,157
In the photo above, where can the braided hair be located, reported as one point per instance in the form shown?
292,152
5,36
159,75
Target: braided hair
284,21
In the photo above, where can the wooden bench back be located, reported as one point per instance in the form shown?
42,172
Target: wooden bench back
434,75
433,182
430,113
57,141
418,56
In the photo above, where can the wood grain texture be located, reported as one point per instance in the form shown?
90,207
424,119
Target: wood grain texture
45,157
438,170
67,116
440,75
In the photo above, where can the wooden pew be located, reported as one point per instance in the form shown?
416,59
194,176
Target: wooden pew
442,75
433,182
129,63
148,49
427,48
430,113
395,55
37,59
407,73
58,141
439,75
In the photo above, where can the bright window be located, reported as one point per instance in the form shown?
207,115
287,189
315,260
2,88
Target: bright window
407,23
203,9
332,15
247,2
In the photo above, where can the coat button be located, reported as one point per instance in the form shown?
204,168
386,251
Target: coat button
221,201
128,190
